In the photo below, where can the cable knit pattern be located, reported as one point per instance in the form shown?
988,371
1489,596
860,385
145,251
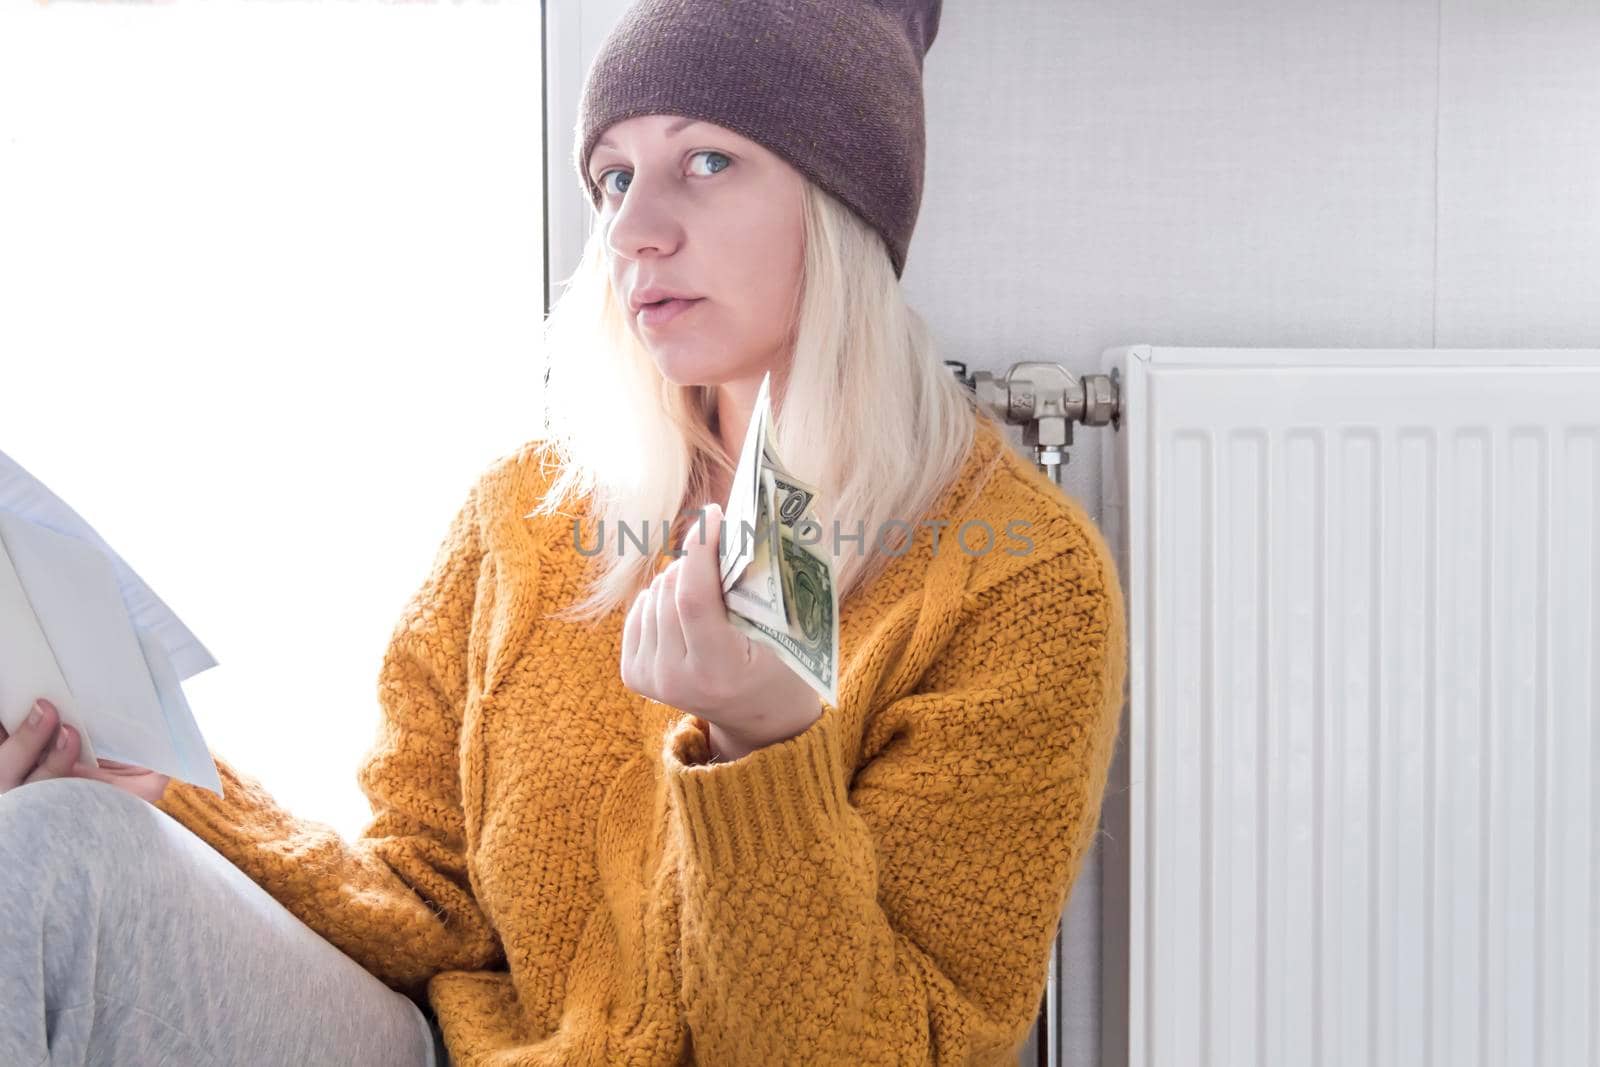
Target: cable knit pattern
555,865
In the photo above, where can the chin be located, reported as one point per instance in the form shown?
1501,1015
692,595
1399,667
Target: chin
692,368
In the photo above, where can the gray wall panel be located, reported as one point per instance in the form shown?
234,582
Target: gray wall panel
1519,174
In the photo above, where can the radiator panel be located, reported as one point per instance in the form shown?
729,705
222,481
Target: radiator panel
1357,819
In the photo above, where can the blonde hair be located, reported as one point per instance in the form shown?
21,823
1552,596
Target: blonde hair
868,413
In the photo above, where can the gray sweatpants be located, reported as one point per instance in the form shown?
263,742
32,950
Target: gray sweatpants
125,939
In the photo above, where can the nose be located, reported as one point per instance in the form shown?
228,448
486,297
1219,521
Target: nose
644,221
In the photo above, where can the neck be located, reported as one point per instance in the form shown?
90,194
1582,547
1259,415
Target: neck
736,403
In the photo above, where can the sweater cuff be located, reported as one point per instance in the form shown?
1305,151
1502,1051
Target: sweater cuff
197,807
764,807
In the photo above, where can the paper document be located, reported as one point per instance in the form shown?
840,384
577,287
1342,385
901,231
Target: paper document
81,629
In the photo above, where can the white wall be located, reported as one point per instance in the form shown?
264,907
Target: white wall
1382,173
1218,172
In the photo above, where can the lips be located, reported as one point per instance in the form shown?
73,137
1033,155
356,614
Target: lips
664,311
656,294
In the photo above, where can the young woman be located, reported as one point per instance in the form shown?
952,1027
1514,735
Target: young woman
608,828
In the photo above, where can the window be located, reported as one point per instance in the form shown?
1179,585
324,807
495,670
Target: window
272,287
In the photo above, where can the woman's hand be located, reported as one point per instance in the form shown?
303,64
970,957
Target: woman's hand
679,648
34,754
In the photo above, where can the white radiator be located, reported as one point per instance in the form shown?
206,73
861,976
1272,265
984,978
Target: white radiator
1355,815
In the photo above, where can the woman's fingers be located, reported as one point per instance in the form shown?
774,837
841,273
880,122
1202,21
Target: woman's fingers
115,767
58,757
645,652
701,608
21,752
48,749
669,632
630,629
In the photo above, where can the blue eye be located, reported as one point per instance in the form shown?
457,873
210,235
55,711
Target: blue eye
710,152
604,188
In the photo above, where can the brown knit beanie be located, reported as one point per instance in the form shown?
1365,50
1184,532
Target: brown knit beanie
832,86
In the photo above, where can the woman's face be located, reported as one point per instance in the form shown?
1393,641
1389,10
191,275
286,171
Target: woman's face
694,208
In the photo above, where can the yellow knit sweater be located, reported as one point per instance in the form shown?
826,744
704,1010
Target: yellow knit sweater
554,865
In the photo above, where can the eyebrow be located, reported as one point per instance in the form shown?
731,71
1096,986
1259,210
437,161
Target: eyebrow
674,128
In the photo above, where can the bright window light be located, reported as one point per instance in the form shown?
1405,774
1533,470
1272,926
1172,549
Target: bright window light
270,288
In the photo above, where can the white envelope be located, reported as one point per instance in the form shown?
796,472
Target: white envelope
68,632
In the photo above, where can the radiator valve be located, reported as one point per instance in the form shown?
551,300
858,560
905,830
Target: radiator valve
1045,399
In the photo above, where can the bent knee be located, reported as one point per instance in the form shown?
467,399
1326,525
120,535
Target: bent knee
75,824
53,797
